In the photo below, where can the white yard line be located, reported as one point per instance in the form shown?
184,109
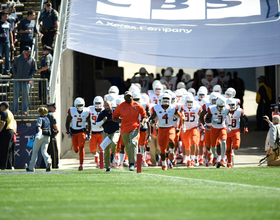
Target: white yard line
202,180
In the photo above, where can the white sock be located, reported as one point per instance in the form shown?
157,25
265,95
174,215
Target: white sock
219,158
192,157
163,163
195,157
188,158
200,156
172,150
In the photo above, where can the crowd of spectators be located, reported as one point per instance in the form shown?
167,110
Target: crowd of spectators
25,30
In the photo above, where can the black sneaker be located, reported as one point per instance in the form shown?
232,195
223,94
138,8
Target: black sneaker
28,170
108,169
218,165
48,169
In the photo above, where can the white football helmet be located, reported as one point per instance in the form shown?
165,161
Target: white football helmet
114,90
186,77
201,93
179,95
170,69
165,99
134,89
192,91
209,73
181,85
189,100
220,103
217,88
230,93
119,101
213,97
138,85
136,97
155,82
79,103
167,73
145,98
112,98
158,88
98,102
184,91
232,104
203,88
172,95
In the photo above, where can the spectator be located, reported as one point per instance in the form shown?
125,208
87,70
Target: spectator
144,80
127,113
239,86
1,58
27,27
13,20
24,67
272,141
49,24
111,130
263,99
6,41
42,140
6,137
45,71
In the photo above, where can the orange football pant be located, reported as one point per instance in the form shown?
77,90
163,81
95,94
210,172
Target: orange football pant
190,137
96,139
165,136
78,141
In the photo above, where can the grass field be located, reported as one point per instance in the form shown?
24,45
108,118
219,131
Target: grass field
181,193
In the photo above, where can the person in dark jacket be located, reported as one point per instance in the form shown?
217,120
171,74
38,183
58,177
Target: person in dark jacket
24,67
42,140
263,99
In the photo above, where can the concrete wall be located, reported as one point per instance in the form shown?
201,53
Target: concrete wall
65,97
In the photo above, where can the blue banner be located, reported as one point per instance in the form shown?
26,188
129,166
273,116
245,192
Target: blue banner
178,33
22,151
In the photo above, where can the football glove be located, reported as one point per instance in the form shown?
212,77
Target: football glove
207,128
88,137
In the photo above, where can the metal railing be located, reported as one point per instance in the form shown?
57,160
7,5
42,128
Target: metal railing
37,91
60,46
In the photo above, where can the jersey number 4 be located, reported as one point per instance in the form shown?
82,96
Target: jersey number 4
166,118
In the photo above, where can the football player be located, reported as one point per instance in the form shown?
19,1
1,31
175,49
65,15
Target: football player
209,82
190,133
165,112
96,133
79,116
233,136
143,79
168,80
217,116
156,92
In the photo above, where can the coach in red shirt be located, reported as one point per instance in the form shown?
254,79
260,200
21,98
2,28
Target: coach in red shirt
127,113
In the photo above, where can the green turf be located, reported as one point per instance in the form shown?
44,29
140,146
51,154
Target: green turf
238,193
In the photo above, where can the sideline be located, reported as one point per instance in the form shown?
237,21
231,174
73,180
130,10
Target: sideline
201,180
